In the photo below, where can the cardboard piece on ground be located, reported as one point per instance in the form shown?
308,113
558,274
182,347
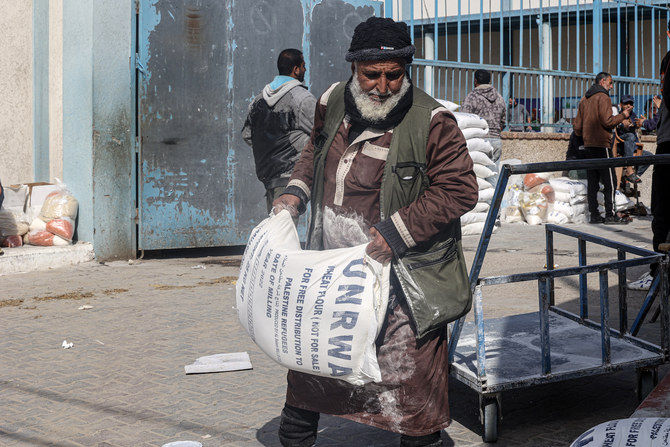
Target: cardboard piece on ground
235,361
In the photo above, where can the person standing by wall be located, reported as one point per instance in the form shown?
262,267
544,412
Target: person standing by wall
594,123
486,102
279,122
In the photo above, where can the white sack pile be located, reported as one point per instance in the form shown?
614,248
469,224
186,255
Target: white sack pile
475,129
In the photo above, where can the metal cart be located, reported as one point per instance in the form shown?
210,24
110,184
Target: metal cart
495,355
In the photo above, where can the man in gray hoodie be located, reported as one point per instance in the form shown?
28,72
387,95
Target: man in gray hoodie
486,102
279,123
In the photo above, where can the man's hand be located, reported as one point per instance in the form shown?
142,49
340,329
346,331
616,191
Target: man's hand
627,108
378,249
657,102
287,202
639,122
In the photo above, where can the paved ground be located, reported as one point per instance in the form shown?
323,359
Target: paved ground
123,383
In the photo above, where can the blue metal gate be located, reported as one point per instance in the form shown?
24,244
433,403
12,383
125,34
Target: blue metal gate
201,62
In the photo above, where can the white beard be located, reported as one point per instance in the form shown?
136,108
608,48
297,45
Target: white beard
373,110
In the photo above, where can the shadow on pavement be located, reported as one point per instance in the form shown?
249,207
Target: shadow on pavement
338,432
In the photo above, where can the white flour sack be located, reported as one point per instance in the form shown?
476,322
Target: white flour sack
317,312
634,432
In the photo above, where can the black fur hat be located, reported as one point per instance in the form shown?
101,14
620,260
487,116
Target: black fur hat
380,39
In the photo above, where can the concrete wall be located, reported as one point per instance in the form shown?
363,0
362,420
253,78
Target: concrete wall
98,124
16,91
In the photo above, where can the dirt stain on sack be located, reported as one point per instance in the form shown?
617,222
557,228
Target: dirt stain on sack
78,295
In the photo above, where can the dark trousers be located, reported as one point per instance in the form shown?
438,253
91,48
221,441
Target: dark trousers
297,428
605,175
660,198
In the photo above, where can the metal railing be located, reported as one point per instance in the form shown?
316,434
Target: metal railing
544,53
545,278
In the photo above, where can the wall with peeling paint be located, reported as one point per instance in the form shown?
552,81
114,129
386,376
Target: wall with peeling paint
16,82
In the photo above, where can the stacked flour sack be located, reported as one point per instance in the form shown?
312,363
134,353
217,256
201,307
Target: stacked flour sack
621,202
542,197
475,130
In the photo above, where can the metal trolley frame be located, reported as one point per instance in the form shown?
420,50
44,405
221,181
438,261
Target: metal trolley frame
552,345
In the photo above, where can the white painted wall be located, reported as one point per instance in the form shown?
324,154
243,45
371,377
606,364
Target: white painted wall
16,81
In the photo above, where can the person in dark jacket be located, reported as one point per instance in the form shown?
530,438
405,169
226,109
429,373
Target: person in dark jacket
594,123
486,102
376,137
660,179
279,122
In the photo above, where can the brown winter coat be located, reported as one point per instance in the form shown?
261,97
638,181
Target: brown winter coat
595,120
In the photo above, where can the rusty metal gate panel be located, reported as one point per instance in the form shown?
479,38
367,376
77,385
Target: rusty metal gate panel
201,62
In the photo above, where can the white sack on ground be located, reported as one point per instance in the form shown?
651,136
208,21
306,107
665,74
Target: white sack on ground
486,195
621,202
561,196
478,144
471,217
483,184
450,106
564,184
482,159
317,312
556,217
481,207
638,432
482,171
470,120
474,132
475,228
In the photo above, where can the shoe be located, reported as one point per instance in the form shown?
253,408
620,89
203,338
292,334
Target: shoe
614,220
633,178
643,283
596,219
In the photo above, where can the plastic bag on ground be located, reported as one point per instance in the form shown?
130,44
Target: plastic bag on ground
11,241
533,206
318,312
63,227
44,238
59,204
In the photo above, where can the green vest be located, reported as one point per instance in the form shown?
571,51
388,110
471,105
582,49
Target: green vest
433,275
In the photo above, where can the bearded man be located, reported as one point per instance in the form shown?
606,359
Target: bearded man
386,165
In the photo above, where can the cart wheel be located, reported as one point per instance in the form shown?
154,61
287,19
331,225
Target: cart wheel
490,420
645,384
